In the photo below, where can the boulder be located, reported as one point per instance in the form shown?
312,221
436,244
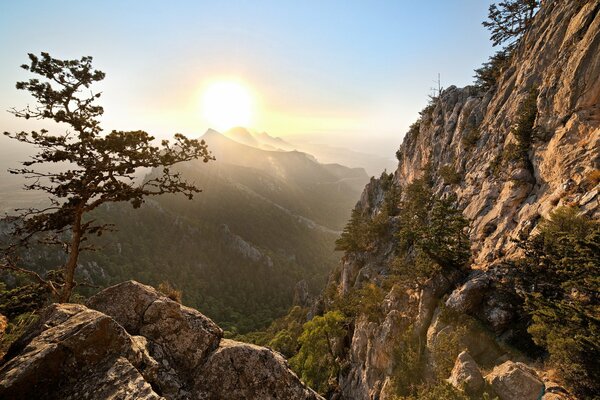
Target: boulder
238,371
469,296
515,381
466,375
186,334
138,344
67,343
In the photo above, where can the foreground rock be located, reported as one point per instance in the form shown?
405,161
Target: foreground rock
515,381
134,343
466,375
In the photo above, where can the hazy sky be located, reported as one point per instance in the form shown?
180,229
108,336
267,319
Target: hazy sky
352,73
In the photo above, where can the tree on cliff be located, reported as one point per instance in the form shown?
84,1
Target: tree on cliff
509,19
560,281
89,168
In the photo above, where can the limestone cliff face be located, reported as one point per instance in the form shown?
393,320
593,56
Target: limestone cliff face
131,342
470,133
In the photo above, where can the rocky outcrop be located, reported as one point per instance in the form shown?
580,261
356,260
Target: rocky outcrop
131,342
515,381
470,132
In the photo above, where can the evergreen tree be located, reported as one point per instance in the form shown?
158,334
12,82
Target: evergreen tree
560,281
354,236
96,168
509,19
432,231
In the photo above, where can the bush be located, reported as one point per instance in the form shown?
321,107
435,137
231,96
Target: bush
355,235
316,362
408,364
590,180
449,175
490,72
470,137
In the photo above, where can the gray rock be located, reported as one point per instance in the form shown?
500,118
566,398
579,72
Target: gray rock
138,344
66,344
515,381
239,371
466,375
468,297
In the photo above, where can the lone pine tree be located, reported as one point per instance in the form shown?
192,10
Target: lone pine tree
93,168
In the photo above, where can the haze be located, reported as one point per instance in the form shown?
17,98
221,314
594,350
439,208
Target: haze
351,74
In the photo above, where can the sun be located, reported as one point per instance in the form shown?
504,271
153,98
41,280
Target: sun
227,104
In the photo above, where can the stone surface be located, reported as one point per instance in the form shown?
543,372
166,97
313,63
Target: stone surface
469,296
515,381
138,344
240,371
466,375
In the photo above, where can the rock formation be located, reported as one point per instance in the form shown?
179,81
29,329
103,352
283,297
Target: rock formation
131,342
470,132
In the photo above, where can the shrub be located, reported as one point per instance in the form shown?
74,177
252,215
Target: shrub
470,137
590,180
449,175
168,290
316,362
490,72
408,363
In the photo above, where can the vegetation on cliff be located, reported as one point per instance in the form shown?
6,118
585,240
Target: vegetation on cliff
560,277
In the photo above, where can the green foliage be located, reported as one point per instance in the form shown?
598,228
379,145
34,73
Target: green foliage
446,348
490,72
509,19
96,168
523,129
24,298
354,237
282,335
365,301
517,153
317,363
471,137
432,232
449,175
561,286
590,180
495,166
407,375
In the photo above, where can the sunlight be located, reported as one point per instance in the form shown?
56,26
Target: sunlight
226,104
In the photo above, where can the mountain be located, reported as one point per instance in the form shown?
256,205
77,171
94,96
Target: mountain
471,142
471,270
323,153
265,221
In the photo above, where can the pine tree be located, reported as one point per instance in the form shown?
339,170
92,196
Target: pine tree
96,168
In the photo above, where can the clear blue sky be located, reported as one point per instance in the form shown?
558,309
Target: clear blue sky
354,73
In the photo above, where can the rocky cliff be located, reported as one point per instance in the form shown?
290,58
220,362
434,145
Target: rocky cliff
131,342
467,139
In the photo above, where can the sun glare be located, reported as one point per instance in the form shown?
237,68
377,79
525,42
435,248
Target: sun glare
226,104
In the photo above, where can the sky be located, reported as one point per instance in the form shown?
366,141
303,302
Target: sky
347,73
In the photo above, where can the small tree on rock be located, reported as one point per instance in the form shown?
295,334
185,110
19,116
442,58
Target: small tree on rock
96,168
509,19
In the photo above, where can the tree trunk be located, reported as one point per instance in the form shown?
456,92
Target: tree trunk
71,264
